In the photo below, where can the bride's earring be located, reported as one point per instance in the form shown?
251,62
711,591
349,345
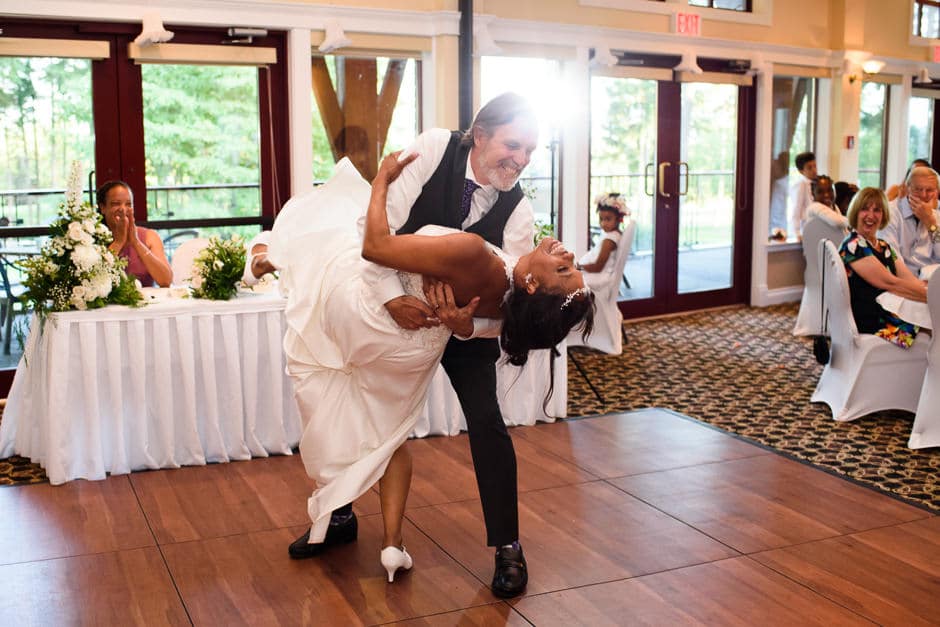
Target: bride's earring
528,279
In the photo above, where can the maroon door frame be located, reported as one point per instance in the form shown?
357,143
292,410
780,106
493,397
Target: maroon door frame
665,298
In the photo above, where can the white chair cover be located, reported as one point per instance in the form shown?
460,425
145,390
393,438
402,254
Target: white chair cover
865,373
926,431
608,321
183,258
815,230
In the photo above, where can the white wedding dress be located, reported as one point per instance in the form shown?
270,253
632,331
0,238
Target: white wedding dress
359,379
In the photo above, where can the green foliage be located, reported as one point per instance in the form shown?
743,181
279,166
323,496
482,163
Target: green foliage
543,230
218,268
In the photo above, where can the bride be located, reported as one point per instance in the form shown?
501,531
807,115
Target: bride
359,379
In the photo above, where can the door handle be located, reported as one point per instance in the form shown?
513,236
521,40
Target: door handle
683,164
646,178
662,189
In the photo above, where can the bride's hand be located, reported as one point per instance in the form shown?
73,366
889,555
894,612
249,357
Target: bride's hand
441,299
392,165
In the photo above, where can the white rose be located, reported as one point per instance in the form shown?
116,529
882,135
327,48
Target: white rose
85,257
101,285
75,231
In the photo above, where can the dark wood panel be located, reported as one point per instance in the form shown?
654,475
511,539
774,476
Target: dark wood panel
39,522
763,502
252,581
636,442
119,588
731,592
890,575
574,536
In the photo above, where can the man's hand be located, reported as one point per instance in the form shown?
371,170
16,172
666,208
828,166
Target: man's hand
410,313
924,211
457,319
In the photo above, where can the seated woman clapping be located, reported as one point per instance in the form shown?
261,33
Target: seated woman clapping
874,267
142,247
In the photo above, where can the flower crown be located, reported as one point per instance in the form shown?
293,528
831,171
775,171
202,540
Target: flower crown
612,200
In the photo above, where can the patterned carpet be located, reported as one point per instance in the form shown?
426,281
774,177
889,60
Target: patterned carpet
741,371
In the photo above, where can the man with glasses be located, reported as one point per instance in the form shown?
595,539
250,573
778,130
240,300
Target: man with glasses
913,229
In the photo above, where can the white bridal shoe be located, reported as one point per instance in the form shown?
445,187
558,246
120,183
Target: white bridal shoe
394,558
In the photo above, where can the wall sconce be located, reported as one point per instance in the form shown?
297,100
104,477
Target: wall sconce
335,37
484,44
872,66
689,63
153,31
603,57
923,75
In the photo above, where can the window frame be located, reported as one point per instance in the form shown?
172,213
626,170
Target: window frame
117,110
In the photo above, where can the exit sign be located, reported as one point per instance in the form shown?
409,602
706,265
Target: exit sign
688,24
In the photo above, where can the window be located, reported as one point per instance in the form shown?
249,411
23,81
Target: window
345,123
871,135
793,129
731,5
538,81
920,130
201,140
926,18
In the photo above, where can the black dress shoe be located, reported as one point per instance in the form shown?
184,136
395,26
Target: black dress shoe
340,531
511,574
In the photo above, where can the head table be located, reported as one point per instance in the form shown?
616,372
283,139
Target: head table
182,381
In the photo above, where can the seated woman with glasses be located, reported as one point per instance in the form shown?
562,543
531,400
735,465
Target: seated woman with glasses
142,247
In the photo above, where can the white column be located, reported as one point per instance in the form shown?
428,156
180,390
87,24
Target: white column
300,95
763,147
576,160
898,136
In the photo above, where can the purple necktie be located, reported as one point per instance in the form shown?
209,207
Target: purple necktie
468,188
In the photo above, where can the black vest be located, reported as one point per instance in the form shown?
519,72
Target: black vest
439,202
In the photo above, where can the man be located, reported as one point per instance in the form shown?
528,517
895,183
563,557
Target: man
469,181
801,194
913,229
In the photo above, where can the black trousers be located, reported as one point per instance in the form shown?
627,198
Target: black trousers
471,366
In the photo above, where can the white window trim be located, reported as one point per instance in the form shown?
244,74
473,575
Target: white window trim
916,40
761,14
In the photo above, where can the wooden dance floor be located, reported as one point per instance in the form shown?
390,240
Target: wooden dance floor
644,517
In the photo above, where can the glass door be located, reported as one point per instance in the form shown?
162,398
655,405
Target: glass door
675,151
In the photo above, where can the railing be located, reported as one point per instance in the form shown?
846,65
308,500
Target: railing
707,217
703,223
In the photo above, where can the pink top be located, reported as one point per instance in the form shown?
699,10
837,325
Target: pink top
135,265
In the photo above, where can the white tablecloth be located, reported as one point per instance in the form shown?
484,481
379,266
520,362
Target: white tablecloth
908,310
186,382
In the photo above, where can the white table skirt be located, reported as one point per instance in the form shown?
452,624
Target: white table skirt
186,382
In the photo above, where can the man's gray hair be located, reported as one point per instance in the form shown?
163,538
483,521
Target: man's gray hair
502,109
922,171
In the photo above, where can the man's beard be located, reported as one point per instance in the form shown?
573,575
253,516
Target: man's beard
502,179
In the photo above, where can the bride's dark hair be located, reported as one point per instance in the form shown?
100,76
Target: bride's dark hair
542,320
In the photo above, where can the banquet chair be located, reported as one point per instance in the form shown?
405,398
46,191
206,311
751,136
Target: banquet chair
865,373
926,430
183,258
608,331
815,230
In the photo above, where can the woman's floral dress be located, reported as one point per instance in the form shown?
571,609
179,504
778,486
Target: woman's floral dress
869,316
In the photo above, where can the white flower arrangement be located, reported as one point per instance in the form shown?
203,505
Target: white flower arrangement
75,269
218,268
614,201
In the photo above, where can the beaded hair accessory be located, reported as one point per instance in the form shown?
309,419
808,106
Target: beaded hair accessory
582,291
